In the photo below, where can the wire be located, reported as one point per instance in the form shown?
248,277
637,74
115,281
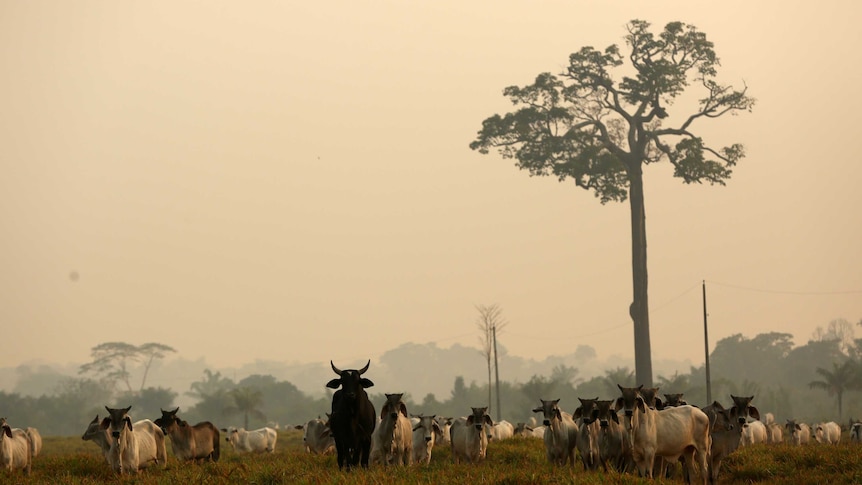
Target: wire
786,292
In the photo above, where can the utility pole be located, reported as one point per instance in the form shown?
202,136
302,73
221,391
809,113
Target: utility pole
496,371
706,349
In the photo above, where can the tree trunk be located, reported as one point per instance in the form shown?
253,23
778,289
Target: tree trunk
639,309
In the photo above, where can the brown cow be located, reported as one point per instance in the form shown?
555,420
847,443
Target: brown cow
198,442
726,436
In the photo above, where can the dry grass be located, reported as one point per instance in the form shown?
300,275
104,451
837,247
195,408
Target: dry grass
73,461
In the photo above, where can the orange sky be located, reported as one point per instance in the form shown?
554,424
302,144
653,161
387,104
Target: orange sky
291,180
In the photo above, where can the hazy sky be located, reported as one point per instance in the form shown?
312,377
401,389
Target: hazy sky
292,180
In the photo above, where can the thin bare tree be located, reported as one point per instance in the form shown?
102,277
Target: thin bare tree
489,321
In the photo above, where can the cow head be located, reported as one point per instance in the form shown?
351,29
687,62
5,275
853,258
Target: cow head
168,420
6,429
742,409
429,427
350,381
93,429
393,406
117,420
651,399
673,400
585,410
719,418
229,432
550,410
479,418
631,398
604,413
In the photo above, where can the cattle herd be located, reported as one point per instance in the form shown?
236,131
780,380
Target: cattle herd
637,432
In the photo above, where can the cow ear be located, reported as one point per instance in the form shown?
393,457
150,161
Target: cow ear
538,410
754,412
658,403
470,420
799,428
578,412
128,421
734,411
366,383
641,405
488,420
403,408
618,404
615,418
557,413
106,422
436,428
334,383
594,414
7,430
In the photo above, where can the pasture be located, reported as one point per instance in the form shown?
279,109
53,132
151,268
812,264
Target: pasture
70,460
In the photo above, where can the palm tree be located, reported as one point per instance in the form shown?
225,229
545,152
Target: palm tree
246,400
621,375
841,378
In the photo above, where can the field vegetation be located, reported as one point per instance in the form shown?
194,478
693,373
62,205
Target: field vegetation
73,461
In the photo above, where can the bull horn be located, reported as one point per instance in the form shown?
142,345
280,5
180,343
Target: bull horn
362,370
335,369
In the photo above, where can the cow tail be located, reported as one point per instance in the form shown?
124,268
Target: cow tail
217,446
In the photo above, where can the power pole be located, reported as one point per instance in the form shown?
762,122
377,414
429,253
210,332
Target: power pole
496,371
706,349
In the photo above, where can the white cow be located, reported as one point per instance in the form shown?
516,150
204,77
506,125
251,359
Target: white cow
317,437
150,439
123,449
392,439
425,433
669,433
753,433
829,433
561,433
468,438
588,433
35,440
15,449
444,424
501,430
800,433
856,433
255,441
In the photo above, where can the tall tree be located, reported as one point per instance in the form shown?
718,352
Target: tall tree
489,321
586,125
112,361
835,382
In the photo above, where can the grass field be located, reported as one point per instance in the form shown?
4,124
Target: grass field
71,460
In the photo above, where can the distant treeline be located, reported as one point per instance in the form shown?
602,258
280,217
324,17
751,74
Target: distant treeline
807,382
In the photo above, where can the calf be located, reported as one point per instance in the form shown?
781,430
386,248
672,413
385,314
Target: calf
425,433
198,442
469,440
726,436
561,433
15,448
798,433
588,433
669,433
753,433
392,441
256,441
